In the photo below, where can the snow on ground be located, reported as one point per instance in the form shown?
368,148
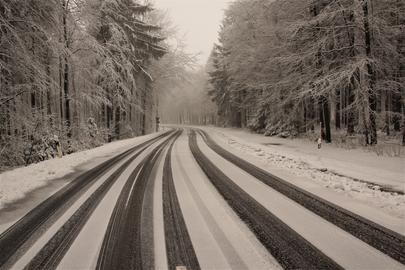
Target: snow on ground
342,247
84,252
160,252
44,238
15,184
355,173
220,238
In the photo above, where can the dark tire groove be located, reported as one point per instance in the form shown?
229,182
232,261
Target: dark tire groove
19,233
290,249
179,248
377,236
52,253
123,243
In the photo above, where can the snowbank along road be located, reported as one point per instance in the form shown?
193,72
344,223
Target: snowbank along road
180,199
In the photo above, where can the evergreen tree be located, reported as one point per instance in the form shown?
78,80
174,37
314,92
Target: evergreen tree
295,64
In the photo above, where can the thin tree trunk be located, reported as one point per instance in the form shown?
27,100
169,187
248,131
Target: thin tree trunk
351,96
49,89
8,118
76,110
400,99
324,109
338,110
403,124
325,118
66,70
109,117
386,108
311,113
61,91
372,97
118,122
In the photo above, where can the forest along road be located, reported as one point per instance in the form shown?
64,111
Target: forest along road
180,199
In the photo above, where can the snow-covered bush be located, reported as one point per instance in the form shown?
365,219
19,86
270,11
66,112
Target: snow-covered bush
281,129
257,122
11,153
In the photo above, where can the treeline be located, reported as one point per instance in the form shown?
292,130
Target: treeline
186,102
81,70
288,66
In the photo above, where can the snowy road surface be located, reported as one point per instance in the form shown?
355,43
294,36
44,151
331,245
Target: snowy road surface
357,178
180,199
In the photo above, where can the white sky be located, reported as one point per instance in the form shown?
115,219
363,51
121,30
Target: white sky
199,20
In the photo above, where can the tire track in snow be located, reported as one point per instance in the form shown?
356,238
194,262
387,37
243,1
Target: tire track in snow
226,247
377,236
20,234
52,253
179,248
124,243
290,249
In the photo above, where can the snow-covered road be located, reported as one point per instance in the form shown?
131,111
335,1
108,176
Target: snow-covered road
343,248
173,200
353,178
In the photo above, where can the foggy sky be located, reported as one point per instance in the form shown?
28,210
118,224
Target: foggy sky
199,20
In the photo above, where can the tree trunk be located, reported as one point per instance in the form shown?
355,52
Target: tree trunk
8,118
403,124
323,102
109,117
117,122
76,108
350,96
48,92
66,70
33,88
385,109
372,97
311,113
338,110
399,106
61,91
49,89
397,109
325,118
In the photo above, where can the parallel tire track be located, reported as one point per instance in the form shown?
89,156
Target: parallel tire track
15,237
290,249
52,253
123,242
179,248
377,236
